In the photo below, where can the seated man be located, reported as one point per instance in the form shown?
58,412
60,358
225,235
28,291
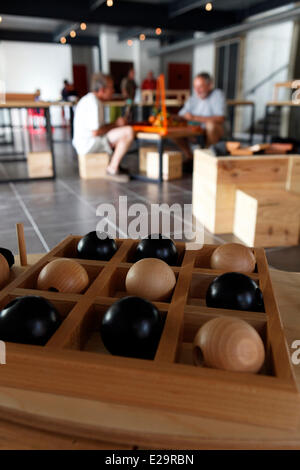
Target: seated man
92,135
207,108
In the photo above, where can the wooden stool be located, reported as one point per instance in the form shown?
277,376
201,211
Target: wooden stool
172,165
267,217
93,165
39,164
143,150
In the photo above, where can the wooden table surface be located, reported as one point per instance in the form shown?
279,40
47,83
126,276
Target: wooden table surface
108,426
34,104
172,132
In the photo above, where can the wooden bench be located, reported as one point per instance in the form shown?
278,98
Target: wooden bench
267,217
93,165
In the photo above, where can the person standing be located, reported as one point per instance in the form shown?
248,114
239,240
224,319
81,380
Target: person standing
150,82
128,90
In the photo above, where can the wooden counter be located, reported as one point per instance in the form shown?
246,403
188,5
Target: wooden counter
216,179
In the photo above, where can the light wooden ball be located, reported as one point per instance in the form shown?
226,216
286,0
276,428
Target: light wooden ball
233,257
151,279
63,275
230,344
4,271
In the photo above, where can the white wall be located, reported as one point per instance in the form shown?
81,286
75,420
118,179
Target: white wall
28,66
204,59
149,63
112,49
266,50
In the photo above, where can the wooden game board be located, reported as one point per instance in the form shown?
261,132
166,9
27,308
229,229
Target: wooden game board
74,370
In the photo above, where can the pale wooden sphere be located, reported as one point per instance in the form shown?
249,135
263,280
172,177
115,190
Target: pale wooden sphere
229,343
63,275
233,257
151,279
4,271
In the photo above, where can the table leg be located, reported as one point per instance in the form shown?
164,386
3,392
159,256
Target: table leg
160,146
22,133
50,140
252,124
266,124
231,118
11,129
72,121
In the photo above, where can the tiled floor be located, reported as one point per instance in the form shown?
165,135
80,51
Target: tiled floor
51,210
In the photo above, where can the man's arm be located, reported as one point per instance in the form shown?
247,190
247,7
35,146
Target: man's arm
202,119
186,109
107,127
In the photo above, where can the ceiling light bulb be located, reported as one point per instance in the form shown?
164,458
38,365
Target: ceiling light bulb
158,31
208,6
130,42
109,3
0,19
63,40
83,26
73,34
142,37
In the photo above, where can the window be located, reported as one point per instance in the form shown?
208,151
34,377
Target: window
227,67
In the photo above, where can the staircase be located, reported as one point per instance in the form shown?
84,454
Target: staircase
274,121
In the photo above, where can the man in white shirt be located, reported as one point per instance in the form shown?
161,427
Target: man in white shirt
92,135
206,107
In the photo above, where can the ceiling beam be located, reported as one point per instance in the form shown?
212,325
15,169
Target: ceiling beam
264,6
124,13
64,31
232,31
94,4
179,7
33,36
129,33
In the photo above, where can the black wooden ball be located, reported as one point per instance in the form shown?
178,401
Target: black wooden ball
29,320
132,327
235,291
8,256
157,246
96,246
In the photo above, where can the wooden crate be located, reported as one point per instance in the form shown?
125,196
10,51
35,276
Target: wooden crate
172,165
93,165
267,217
216,179
64,384
39,164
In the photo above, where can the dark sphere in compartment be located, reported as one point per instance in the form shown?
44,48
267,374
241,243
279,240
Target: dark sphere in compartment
132,327
235,291
8,256
96,246
157,246
29,320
